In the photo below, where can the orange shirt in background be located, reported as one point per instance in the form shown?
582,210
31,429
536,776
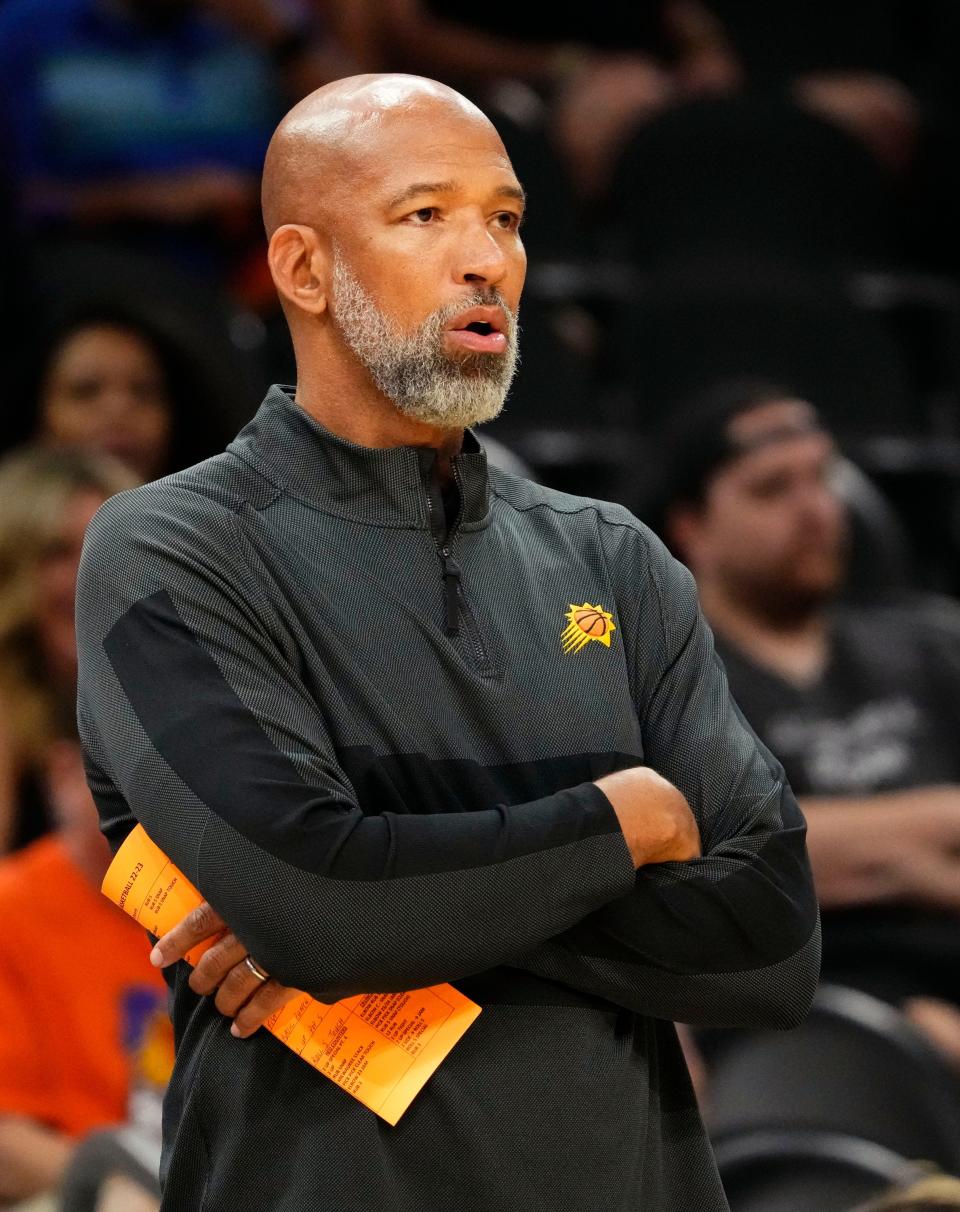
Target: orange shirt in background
82,1012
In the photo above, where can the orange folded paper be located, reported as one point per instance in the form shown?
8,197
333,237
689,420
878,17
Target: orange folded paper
380,1047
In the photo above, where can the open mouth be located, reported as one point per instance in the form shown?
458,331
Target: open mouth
479,330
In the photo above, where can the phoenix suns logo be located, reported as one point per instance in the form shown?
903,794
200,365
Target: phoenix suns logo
586,623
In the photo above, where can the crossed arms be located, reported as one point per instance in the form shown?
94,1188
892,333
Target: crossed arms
194,720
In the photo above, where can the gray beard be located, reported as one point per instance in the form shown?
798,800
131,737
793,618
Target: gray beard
412,369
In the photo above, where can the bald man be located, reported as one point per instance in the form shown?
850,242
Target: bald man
407,719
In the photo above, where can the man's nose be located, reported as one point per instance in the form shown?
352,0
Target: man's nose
480,258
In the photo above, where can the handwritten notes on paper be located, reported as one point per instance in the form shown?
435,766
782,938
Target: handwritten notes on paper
380,1047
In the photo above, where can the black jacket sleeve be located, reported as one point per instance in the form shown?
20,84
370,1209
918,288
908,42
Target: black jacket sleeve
732,938
196,722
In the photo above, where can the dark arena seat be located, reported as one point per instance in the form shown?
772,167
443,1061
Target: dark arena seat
809,1119
704,322
748,175
807,1171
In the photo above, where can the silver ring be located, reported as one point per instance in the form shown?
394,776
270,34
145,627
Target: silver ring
254,970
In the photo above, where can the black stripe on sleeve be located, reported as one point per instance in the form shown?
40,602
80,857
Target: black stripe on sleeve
217,746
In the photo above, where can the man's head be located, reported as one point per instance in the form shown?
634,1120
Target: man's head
393,212
753,509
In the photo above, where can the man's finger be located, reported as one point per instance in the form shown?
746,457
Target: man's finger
199,924
236,988
268,999
214,965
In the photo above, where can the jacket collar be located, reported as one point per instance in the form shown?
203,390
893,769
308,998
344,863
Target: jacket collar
381,486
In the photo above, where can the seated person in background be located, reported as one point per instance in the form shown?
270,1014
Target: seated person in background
132,109
861,703
878,70
148,119
46,500
113,382
600,72
76,1053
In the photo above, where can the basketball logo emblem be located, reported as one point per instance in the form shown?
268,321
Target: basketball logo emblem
586,623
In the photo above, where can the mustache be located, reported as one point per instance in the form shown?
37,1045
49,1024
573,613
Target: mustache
489,296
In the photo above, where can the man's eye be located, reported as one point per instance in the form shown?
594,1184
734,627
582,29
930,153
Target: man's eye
508,220
423,216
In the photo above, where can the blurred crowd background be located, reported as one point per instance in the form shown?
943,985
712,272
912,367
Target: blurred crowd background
742,320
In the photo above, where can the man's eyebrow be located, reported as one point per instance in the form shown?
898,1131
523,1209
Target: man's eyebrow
513,191
419,188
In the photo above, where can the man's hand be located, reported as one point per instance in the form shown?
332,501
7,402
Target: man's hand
240,993
901,846
655,817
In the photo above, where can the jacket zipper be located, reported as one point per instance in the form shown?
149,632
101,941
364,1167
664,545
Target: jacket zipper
454,599
472,629
449,568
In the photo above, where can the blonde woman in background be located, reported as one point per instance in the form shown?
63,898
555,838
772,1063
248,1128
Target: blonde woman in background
47,498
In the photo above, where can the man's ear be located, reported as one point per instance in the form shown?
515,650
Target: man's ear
298,264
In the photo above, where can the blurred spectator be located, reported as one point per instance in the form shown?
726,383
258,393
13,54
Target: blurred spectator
310,42
867,65
132,109
600,72
47,498
104,388
861,703
881,72
149,119
882,69
73,1050
108,380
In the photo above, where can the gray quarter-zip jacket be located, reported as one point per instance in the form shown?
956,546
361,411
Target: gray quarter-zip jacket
369,735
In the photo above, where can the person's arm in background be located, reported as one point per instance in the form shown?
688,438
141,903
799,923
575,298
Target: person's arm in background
702,53
33,1158
900,846
878,110
731,938
893,847
706,61
592,96
193,718
122,1194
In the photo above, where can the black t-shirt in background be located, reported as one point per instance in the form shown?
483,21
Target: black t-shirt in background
883,716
